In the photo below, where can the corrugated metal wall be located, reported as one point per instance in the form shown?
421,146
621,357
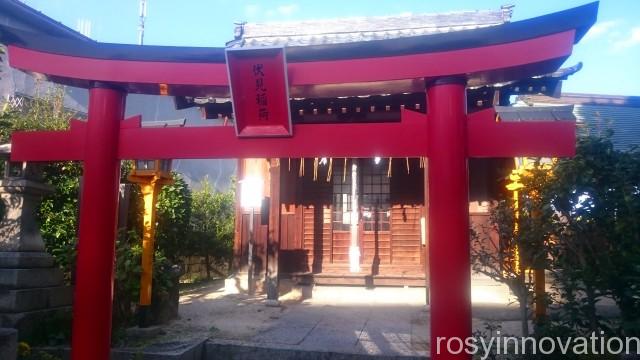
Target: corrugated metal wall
598,119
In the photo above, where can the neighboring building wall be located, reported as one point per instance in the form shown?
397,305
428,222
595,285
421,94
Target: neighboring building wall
622,120
195,269
596,114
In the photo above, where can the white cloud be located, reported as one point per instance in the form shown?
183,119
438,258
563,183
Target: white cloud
287,10
599,29
633,39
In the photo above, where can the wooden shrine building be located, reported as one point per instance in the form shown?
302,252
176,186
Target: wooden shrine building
316,195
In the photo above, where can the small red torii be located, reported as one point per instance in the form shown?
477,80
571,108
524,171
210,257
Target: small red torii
447,135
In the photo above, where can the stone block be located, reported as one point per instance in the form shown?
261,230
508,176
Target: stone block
36,322
21,300
30,278
175,350
60,296
8,344
25,260
17,300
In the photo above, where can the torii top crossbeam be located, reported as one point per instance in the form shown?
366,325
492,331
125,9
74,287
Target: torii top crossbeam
444,63
483,56
486,55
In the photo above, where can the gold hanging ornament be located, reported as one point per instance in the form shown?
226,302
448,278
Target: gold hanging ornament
408,170
301,170
330,171
344,171
315,169
389,169
289,164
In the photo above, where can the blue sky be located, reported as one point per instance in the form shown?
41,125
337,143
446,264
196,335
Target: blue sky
610,51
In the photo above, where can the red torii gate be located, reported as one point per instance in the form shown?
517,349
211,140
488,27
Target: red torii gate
447,135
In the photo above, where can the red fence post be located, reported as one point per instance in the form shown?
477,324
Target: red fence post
448,199
91,337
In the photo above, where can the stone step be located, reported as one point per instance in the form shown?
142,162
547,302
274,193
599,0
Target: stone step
25,260
20,300
231,349
30,278
368,280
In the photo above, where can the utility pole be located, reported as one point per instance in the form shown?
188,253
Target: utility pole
143,16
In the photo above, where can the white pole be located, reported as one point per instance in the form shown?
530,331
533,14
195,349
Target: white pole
251,266
143,16
354,249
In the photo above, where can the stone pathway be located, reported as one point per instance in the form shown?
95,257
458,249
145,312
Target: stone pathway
383,321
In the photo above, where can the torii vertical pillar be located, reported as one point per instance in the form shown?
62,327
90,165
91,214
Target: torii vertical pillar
448,201
98,220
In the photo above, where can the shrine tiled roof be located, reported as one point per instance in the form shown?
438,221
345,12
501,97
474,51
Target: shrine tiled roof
535,113
19,15
355,29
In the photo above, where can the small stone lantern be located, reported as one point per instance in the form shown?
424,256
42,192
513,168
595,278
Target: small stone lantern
151,175
151,168
32,285
21,192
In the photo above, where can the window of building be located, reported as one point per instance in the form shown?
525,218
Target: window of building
375,197
341,216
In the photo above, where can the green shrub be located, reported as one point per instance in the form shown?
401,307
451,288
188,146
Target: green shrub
212,226
173,215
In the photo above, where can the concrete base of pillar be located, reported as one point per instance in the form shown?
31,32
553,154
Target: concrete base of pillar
272,303
293,290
